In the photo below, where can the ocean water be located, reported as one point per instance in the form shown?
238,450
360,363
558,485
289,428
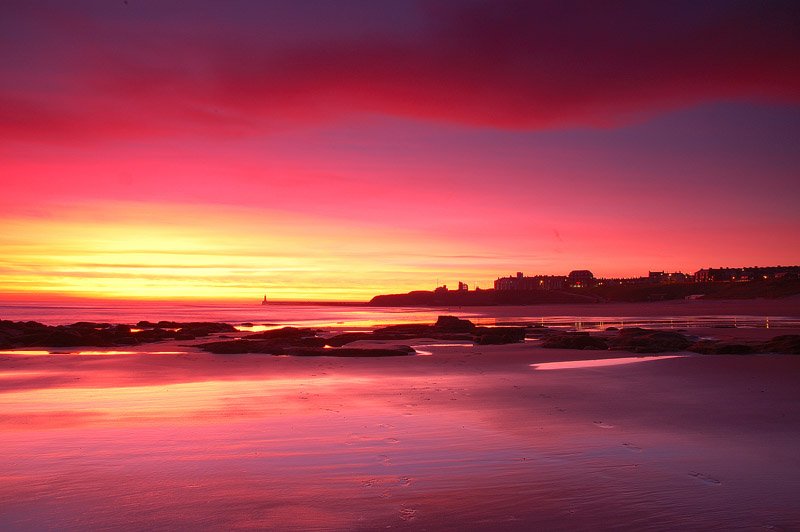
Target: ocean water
580,317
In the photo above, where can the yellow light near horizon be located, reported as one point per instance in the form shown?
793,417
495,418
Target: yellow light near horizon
204,253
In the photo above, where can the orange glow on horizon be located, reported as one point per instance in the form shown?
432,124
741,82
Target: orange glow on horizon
171,252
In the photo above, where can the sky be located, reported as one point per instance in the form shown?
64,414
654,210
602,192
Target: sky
316,150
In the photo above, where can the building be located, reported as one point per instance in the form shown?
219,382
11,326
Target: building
580,279
753,273
536,282
668,278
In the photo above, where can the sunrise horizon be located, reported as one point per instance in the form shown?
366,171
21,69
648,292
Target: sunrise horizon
286,295
502,265
383,151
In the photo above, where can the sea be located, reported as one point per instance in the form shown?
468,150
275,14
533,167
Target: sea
360,317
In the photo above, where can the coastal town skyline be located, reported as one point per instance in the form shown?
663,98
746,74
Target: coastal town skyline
333,151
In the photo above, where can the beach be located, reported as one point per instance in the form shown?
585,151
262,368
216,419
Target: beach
461,436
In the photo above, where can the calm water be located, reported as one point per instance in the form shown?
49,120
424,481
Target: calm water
352,316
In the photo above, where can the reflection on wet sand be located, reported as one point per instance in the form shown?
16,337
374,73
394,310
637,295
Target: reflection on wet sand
582,364
466,438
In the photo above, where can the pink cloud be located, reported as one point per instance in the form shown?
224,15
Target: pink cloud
513,64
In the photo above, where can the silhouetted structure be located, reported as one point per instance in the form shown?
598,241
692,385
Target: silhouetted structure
536,282
712,275
580,279
666,278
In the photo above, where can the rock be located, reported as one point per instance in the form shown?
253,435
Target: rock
711,347
787,344
234,347
736,349
269,347
63,338
199,326
409,330
639,340
345,338
284,333
351,352
313,341
454,324
542,332
499,335
574,340
85,333
210,326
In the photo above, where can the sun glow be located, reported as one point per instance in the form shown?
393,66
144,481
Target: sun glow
132,251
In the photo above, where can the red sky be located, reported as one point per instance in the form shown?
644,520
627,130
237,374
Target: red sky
335,150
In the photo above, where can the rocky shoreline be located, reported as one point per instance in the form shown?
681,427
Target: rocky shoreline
315,342
645,341
19,334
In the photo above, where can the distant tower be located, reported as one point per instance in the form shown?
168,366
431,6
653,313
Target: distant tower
264,301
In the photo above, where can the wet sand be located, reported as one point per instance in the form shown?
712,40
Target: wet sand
484,437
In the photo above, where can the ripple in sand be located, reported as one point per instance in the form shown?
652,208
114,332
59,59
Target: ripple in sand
408,514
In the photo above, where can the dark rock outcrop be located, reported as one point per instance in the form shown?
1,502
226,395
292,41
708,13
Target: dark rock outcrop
284,333
346,338
449,328
410,330
235,347
307,342
712,347
394,351
638,340
574,340
787,344
89,334
499,335
289,347
453,324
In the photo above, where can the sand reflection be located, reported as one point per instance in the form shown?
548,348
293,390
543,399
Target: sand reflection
599,363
